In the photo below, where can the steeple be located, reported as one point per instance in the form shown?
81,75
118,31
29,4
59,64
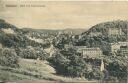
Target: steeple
102,65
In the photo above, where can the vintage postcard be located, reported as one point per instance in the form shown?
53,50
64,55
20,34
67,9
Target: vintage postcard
63,41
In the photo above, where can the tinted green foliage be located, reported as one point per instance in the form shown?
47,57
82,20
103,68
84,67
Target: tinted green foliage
100,37
32,53
12,40
67,62
61,39
18,39
70,63
103,27
117,66
8,57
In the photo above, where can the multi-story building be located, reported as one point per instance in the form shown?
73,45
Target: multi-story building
8,31
91,52
114,47
123,43
114,31
95,34
124,50
80,48
67,46
86,52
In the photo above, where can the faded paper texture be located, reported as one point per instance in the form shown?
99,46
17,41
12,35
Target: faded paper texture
63,41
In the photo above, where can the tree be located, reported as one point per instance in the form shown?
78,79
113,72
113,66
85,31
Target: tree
32,53
8,57
68,62
116,66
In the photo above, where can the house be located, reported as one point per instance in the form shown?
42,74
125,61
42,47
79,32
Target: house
86,52
123,43
124,50
67,46
114,31
91,52
8,31
114,47
95,34
80,48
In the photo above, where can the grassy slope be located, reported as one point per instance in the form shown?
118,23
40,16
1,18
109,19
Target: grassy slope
33,71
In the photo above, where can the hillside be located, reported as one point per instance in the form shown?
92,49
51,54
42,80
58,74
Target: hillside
6,25
68,31
29,55
11,36
19,50
109,32
102,27
33,71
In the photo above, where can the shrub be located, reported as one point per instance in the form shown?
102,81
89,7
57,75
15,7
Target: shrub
4,77
8,57
32,53
27,53
68,63
117,66
97,74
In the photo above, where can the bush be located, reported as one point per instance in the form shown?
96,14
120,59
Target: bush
27,53
117,66
8,57
32,53
4,76
69,63
97,74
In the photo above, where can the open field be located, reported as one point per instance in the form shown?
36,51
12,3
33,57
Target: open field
34,71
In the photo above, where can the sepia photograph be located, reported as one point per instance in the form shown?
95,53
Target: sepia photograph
63,41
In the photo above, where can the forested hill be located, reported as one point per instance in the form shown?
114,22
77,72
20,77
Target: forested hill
67,31
109,32
6,25
11,36
103,27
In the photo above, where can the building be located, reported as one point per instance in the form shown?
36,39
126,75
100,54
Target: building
91,52
60,32
114,31
8,31
95,34
123,43
67,46
86,52
124,50
114,47
79,48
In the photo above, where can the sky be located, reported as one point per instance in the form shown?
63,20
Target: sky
61,15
